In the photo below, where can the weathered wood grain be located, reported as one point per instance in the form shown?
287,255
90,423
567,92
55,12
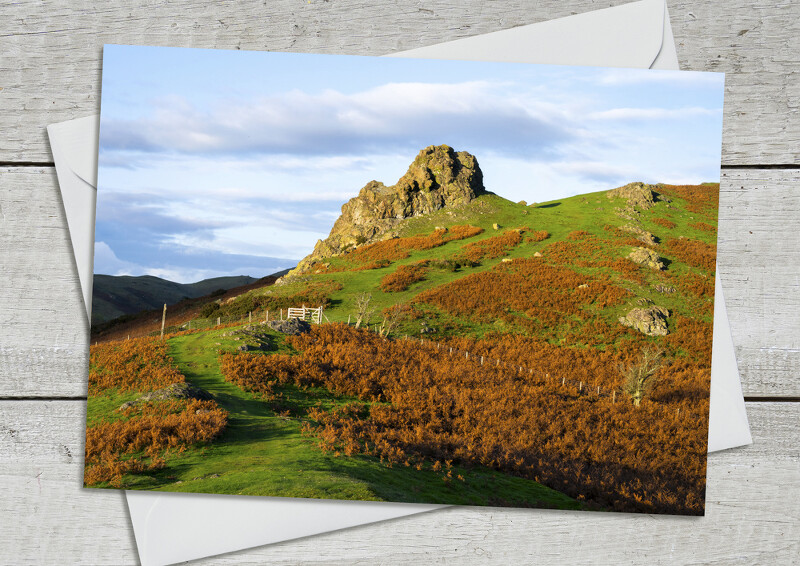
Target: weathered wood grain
759,263
751,517
43,345
44,335
50,53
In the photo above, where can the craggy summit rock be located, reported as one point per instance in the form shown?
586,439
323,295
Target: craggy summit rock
438,177
651,321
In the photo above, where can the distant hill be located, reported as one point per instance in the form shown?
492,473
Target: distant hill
114,296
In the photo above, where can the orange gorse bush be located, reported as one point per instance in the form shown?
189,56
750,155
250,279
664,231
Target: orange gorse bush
493,247
404,276
701,286
527,291
378,253
156,429
703,226
703,199
693,252
538,236
139,364
664,222
433,407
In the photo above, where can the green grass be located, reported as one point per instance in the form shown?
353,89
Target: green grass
590,212
261,453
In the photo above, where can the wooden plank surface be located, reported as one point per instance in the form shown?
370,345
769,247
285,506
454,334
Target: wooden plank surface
50,51
43,351
751,517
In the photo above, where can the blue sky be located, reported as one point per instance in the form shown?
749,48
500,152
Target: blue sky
234,163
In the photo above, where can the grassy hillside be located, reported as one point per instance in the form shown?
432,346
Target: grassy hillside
584,242
519,384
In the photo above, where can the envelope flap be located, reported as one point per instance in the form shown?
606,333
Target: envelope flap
224,523
632,37
75,148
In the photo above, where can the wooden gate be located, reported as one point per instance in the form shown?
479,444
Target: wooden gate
305,313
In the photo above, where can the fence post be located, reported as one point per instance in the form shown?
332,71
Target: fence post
466,355
281,314
481,360
614,396
563,381
250,317
580,386
219,319
163,320
266,316
498,362
598,390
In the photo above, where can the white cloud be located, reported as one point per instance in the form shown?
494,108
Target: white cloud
107,262
633,76
478,113
616,114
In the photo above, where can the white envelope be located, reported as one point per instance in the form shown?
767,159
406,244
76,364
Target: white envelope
174,527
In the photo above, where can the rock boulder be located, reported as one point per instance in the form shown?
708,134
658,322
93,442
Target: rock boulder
651,321
646,257
293,326
174,391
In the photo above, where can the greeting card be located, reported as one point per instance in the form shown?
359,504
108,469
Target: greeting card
403,280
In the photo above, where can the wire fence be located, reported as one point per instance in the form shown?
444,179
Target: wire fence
581,387
252,317
578,386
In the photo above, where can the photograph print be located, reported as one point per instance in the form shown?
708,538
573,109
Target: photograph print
429,281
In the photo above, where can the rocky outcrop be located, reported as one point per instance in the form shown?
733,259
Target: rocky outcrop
641,234
651,321
637,194
174,391
638,197
293,326
438,177
646,257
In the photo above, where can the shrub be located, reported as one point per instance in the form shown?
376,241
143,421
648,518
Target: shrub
155,429
399,248
404,276
436,407
694,253
664,222
140,364
490,248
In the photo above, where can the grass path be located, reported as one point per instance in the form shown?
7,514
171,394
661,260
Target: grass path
261,453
